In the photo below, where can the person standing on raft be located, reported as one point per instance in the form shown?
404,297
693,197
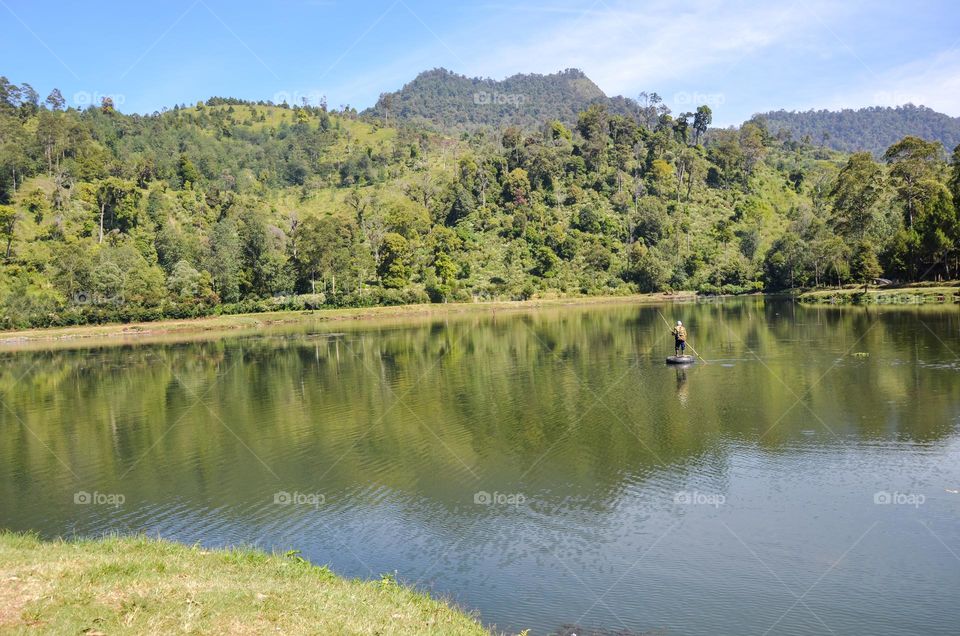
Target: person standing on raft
679,339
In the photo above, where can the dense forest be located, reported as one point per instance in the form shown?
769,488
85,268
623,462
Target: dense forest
872,129
445,101
230,206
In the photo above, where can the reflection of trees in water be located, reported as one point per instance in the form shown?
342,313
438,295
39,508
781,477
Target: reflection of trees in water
491,395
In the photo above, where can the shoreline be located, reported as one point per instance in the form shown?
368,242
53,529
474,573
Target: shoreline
243,323
914,294
945,293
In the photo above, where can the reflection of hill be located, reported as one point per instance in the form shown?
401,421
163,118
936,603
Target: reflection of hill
485,402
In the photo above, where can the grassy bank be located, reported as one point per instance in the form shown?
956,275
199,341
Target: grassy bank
214,326
166,329
144,586
917,294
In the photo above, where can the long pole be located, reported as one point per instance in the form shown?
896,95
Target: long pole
688,344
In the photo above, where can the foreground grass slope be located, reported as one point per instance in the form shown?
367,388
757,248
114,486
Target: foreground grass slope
142,586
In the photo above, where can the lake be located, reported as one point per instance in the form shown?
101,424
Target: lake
544,468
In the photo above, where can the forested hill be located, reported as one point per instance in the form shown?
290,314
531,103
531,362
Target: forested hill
872,129
231,206
441,99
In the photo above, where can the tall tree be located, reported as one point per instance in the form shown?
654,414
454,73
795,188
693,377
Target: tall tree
8,223
914,164
855,194
51,137
592,126
701,122
116,201
394,252
325,250
252,234
224,263
55,100
752,144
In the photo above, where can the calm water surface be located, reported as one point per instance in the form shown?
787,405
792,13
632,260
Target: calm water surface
545,469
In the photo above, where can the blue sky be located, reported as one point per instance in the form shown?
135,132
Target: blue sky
740,57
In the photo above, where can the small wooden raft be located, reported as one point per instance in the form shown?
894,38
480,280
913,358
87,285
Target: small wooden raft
681,360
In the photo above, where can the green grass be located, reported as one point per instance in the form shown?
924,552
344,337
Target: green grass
136,585
362,133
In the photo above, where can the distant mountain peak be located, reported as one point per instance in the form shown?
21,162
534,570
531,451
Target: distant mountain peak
443,99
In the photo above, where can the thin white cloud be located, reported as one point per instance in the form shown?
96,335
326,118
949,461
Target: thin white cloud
625,50
932,82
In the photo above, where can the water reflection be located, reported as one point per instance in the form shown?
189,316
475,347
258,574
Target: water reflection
399,425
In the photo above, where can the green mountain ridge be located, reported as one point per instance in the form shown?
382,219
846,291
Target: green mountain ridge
443,100
872,129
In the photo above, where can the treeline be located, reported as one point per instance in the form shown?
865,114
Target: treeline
232,206
872,129
897,219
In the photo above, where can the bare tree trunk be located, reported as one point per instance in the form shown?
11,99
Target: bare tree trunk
103,209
